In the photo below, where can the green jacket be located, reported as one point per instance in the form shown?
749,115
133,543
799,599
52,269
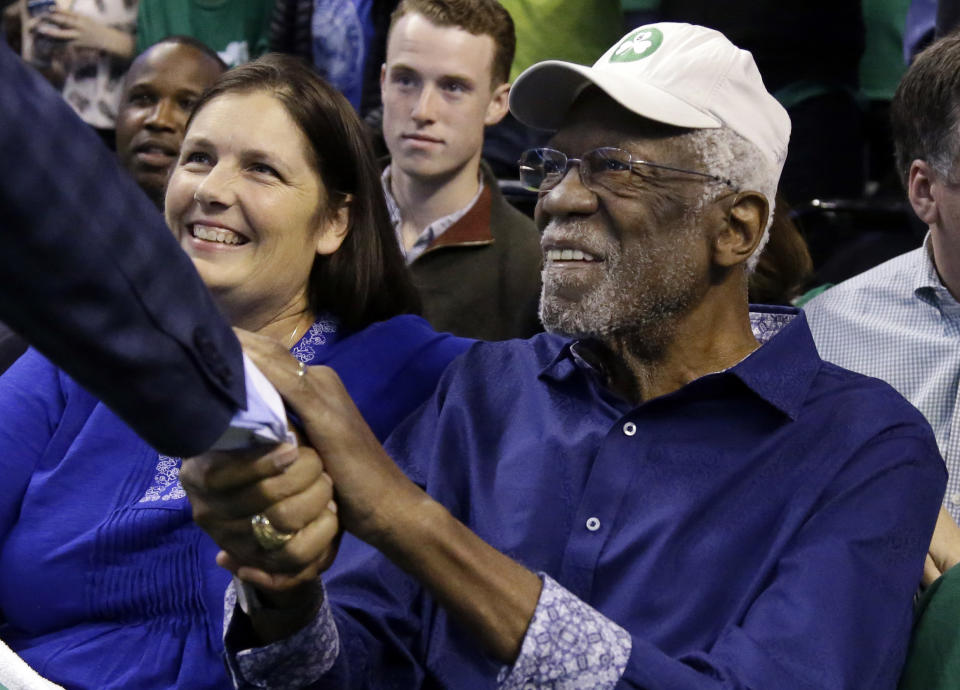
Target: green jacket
933,658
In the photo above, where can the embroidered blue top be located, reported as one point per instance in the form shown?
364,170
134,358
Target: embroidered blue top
763,526
105,582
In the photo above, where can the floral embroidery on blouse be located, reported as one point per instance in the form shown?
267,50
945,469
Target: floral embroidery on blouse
166,481
305,350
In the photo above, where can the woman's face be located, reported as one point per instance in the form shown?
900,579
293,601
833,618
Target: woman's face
248,207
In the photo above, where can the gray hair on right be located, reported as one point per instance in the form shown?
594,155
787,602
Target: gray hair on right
925,108
725,153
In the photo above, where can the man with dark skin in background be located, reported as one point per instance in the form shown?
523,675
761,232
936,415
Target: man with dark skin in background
159,92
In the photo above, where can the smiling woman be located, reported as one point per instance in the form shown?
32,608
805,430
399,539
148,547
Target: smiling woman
250,209
105,581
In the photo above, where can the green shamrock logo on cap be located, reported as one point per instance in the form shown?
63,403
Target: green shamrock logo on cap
638,44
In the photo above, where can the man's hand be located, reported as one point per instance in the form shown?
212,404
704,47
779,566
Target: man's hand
489,593
944,551
372,493
286,484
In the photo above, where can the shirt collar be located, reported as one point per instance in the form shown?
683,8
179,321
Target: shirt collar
926,274
430,233
927,285
392,207
780,371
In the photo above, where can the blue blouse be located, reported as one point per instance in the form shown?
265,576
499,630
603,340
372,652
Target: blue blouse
105,582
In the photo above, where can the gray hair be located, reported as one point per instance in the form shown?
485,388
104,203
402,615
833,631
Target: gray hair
925,109
725,153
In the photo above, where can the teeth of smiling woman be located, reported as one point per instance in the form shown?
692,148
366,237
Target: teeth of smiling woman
568,255
210,234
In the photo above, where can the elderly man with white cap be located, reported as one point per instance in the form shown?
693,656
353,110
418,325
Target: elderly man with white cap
666,490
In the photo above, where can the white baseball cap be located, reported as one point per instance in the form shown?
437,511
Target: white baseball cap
679,74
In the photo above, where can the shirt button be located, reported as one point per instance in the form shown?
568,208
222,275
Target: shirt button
629,428
593,524
955,498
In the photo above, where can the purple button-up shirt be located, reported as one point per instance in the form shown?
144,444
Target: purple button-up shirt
763,526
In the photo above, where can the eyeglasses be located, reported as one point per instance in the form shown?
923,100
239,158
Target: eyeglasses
542,169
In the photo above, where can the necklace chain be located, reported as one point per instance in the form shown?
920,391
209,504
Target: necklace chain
291,340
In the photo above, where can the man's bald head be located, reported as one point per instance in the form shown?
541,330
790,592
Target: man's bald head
159,91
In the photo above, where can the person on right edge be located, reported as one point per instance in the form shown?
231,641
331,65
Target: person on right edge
667,490
474,258
900,321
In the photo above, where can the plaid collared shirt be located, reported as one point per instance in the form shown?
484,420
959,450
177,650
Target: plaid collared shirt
898,322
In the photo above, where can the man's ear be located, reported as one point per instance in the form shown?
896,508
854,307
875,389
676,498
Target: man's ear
920,183
499,104
335,226
383,78
742,230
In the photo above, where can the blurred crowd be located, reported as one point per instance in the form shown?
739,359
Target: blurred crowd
834,67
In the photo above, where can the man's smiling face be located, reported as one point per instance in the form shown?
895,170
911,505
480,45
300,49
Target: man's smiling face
628,260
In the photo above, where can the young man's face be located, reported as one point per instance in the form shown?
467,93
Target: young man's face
437,97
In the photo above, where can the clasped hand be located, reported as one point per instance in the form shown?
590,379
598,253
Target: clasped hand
287,485
346,480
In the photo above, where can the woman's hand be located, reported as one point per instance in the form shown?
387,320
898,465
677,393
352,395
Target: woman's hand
372,493
81,31
285,484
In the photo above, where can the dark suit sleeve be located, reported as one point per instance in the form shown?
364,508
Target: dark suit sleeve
91,276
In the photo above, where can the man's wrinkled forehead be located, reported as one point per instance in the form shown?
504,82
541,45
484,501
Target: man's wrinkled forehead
595,120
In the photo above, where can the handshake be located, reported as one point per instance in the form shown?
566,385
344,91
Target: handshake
277,512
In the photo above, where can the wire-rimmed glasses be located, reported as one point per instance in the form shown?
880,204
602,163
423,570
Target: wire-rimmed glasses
541,169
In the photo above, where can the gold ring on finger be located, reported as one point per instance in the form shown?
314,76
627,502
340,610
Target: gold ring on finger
268,537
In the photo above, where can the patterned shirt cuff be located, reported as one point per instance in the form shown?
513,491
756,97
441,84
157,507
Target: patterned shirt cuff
295,662
569,645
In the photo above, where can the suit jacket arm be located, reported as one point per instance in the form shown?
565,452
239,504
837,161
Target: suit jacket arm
91,276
